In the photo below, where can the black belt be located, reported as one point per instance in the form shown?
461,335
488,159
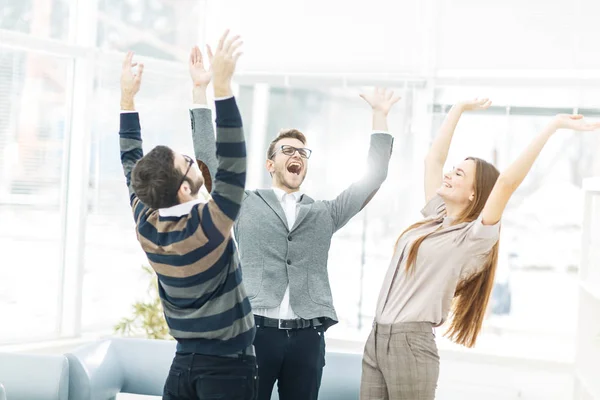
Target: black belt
286,323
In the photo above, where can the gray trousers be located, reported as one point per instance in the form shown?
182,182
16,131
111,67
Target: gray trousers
400,362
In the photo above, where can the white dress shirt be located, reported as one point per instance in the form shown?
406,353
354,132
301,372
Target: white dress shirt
180,209
289,203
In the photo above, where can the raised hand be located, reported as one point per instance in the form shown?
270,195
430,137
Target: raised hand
130,81
200,76
223,63
475,104
381,99
575,122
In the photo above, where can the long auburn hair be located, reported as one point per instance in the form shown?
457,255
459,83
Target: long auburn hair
472,295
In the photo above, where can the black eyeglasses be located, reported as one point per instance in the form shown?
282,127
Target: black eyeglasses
291,150
190,162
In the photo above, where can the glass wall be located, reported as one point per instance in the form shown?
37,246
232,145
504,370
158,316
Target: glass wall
153,28
33,124
41,18
46,119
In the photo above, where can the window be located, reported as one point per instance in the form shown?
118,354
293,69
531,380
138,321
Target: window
47,18
153,28
33,116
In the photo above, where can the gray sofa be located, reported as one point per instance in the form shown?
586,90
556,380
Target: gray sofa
33,377
102,369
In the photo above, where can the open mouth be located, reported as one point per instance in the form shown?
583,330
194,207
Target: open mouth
294,167
446,184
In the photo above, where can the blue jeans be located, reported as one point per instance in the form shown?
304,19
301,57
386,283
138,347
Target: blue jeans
200,377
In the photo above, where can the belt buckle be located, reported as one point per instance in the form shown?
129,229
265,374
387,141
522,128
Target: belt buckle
279,321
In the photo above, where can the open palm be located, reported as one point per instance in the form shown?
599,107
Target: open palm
131,81
575,122
476,104
381,99
200,76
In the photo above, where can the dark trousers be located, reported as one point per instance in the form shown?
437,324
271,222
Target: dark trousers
199,377
294,358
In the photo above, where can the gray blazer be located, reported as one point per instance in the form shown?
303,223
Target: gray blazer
273,254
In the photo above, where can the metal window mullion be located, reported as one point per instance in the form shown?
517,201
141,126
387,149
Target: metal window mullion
75,187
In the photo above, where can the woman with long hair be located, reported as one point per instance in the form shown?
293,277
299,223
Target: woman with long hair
444,264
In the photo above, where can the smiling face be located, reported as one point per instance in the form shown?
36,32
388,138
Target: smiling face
287,171
287,160
458,186
466,188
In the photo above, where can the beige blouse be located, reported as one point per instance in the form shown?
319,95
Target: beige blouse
452,254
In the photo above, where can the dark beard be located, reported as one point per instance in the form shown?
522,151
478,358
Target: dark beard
194,186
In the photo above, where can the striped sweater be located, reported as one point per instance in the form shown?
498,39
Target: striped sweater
194,255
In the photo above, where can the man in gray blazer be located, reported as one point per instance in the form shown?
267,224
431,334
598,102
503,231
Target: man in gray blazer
284,238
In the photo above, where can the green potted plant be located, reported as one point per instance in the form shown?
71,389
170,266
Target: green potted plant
148,319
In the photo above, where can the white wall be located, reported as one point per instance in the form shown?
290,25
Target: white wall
508,34
415,37
323,36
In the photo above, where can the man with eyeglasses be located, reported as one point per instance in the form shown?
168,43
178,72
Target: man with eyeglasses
189,244
284,238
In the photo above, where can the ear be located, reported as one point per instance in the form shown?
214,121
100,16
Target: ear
184,189
472,196
270,165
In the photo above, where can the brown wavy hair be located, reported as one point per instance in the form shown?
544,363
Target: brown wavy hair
472,295
284,134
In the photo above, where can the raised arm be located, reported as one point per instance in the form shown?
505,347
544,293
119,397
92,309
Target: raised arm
230,178
510,179
203,132
130,138
438,153
352,200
